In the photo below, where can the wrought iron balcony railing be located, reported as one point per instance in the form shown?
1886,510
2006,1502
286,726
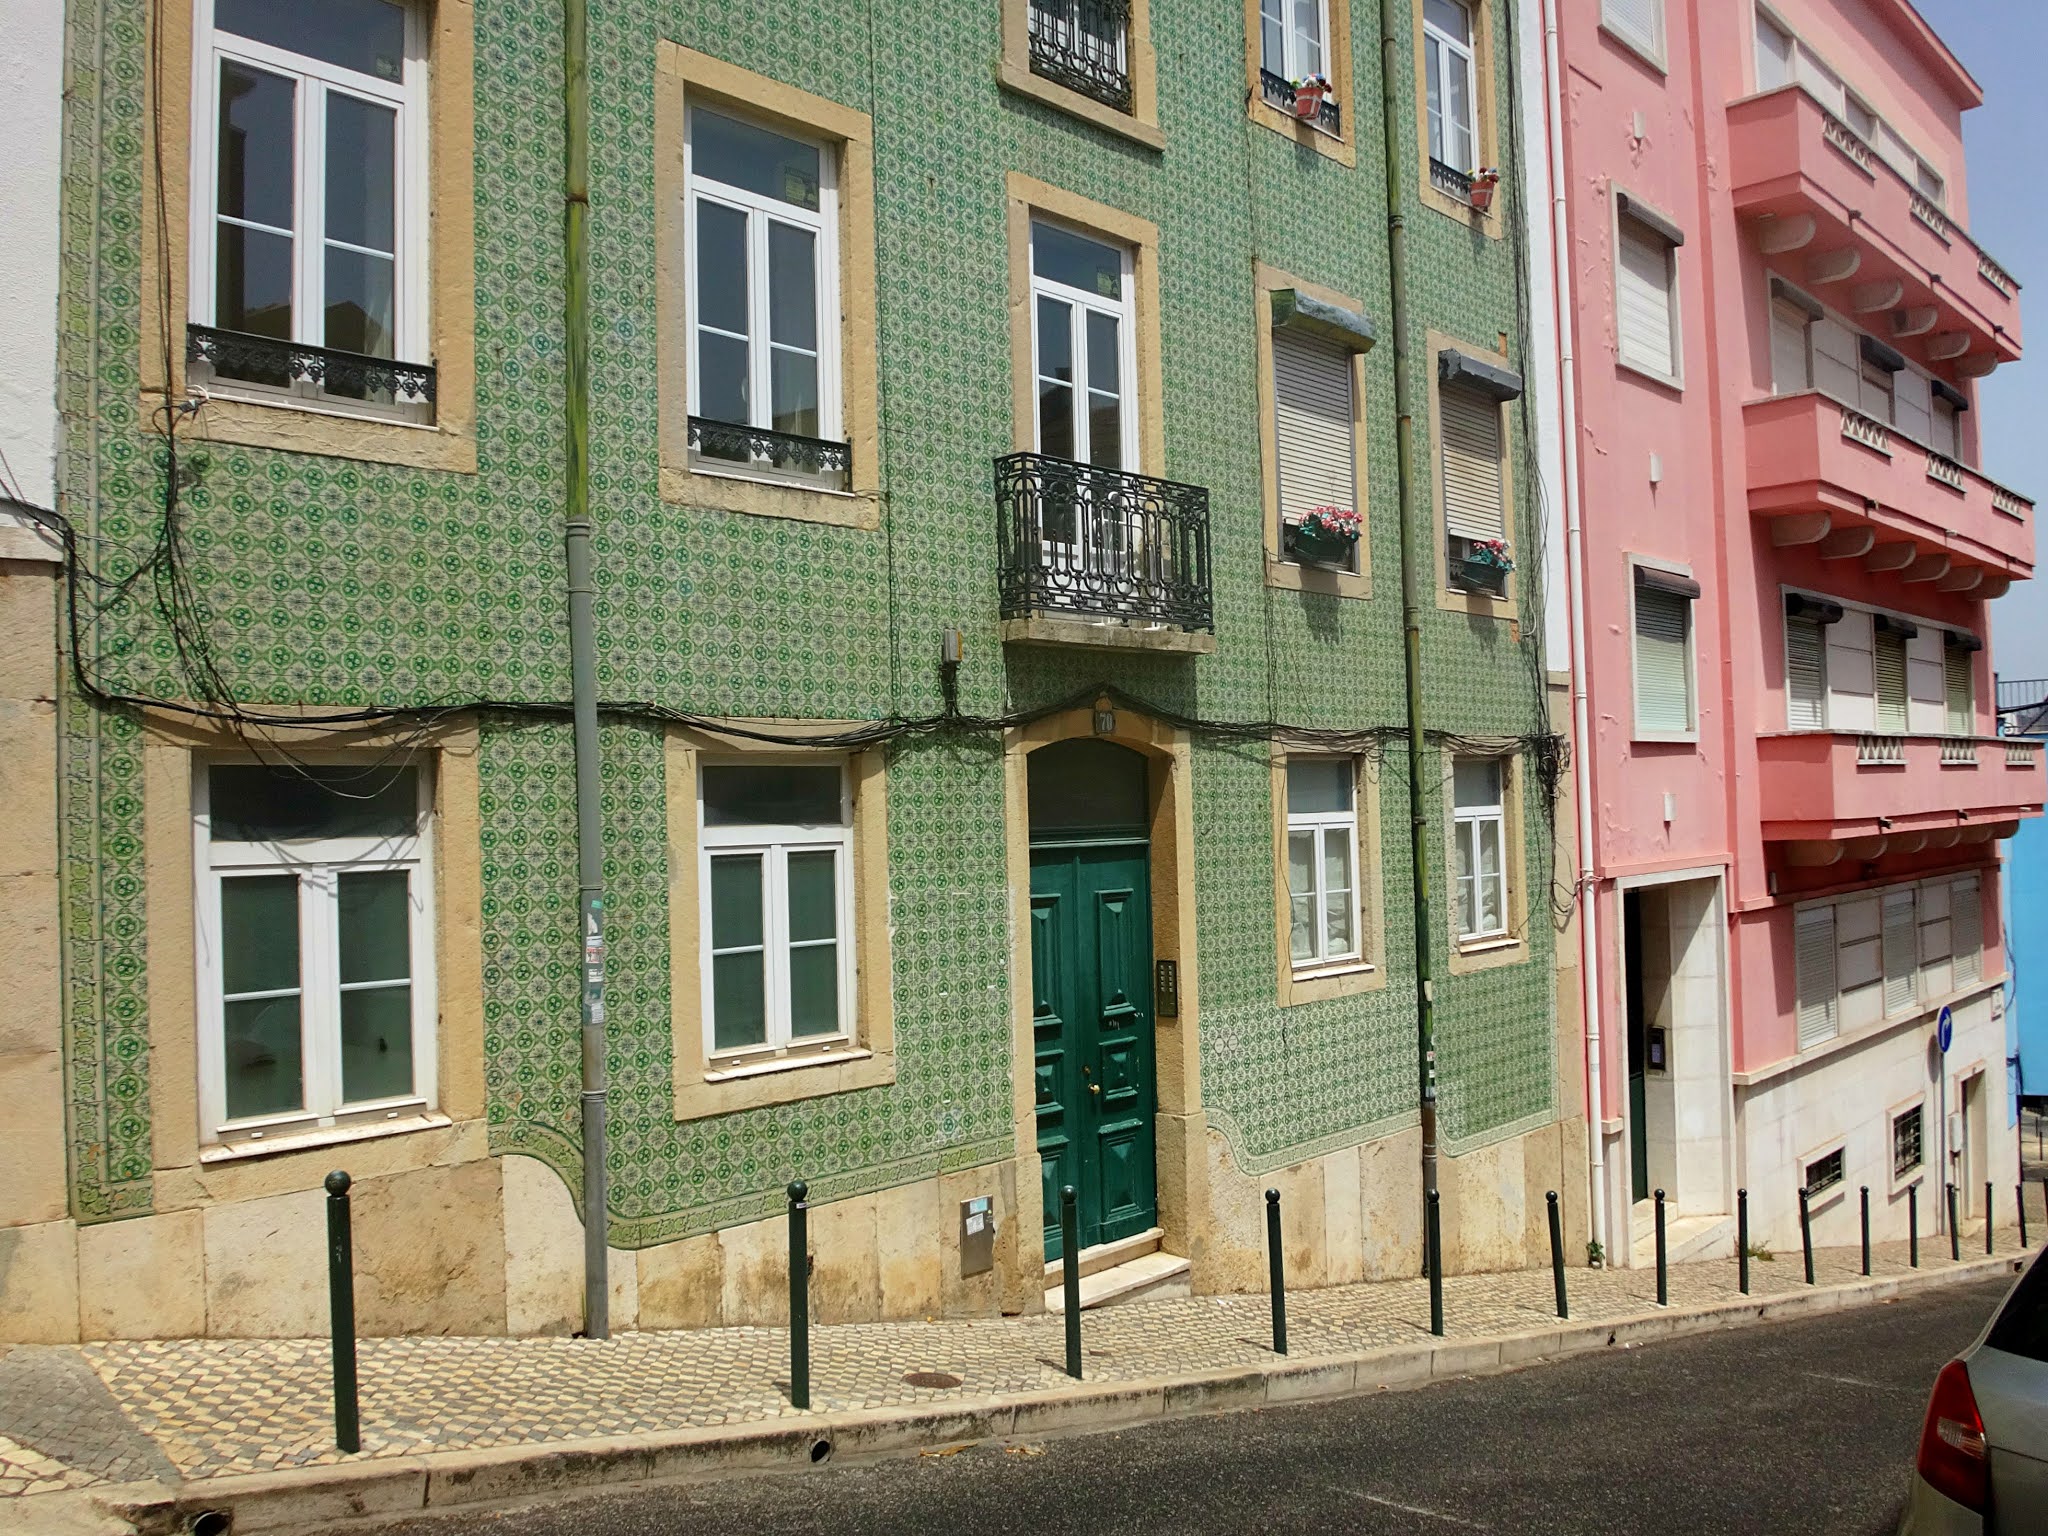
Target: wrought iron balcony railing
1278,93
760,450
1095,543
1449,180
1085,46
238,357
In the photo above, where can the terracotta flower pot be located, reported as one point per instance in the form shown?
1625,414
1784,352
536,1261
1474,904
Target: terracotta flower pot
1482,195
1308,101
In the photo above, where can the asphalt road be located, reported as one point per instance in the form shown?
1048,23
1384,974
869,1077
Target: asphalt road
1803,1427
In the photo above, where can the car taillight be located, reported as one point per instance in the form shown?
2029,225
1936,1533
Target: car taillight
1953,1457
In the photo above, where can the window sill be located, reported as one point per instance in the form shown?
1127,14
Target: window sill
1293,576
246,1148
724,1088
1089,110
1666,738
740,1069
1324,983
306,426
687,485
1630,45
1305,132
1672,381
1487,946
1331,972
223,393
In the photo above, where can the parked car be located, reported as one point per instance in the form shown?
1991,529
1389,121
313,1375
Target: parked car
1982,1469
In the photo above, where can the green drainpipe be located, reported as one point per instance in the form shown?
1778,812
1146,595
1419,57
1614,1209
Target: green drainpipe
583,652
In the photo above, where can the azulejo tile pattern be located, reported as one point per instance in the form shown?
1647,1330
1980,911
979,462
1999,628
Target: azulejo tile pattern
327,582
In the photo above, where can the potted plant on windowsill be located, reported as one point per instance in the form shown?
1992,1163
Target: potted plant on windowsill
1483,566
1325,536
1308,96
1484,180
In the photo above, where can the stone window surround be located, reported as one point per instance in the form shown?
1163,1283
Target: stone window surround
701,1087
449,443
1476,604
1486,98
1367,973
1140,124
1341,147
682,76
1469,955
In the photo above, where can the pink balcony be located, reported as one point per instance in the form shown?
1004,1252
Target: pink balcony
1825,473
1836,794
1826,195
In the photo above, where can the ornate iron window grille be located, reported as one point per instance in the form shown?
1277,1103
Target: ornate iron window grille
1278,93
1449,180
812,458
1101,543
1085,46
264,360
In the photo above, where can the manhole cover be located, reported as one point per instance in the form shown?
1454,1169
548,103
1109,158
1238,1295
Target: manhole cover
931,1379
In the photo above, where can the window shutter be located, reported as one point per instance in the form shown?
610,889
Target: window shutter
1814,945
1948,431
1806,675
1663,681
1791,371
1640,21
1913,406
1470,426
1966,929
1891,683
1773,55
1959,687
1643,300
1901,952
1312,424
1837,360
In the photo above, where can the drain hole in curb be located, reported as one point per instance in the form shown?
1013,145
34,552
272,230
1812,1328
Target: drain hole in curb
820,1450
212,1522
931,1379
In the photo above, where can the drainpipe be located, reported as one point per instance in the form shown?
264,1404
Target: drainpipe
1411,607
1575,585
583,652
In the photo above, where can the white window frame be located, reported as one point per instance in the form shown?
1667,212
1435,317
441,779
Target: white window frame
1447,48
774,843
1466,824
313,80
316,862
1292,65
1124,309
1322,825
760,211
1621,28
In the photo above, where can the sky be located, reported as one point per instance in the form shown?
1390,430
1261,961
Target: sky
2003,43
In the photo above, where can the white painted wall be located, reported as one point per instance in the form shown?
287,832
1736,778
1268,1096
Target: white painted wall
31,83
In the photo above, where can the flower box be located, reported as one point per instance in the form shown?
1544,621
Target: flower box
1308,97
1470,575
1324,536
1484,180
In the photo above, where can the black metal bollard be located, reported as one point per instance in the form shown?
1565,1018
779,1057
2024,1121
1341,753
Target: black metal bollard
1276,1262
1988,1222
1557,1254
1806,1232
341,1311
1742,1239
1433,1243
2023,1215
1913,1225
1070,1276
799,1294
1955,1229
1663,1274
1866,1229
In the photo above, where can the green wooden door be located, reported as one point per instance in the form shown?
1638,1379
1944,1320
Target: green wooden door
1091,970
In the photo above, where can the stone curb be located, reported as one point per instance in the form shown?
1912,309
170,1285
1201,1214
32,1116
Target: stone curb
309,1498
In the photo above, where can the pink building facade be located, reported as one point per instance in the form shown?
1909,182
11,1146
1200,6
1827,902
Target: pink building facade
1781,558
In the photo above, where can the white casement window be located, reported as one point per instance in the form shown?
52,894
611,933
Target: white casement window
1813,933
1315,451
1322,860
1959,689
1901,951
1480,837
1646,299
1640,23
1663,652
1888,657
1909,1141
1451,84
315,946
775,848
761,228
1806,675
1966,924
1083,344
309,197
1291,38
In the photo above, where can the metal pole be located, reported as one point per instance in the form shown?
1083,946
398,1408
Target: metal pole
2021,1191
1742,1238
1433,1256
577,534
1276,1262
1806,1232
1988,1222
1557,1254
1866,1229
1913,1225
1070,1276
1955,1236
799,1294
1663,1276
341,1312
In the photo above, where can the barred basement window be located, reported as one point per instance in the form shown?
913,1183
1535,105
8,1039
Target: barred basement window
1824,1173
1908,1130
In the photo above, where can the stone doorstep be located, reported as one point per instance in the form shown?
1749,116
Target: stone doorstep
1150,1277
308,1498
1107,1255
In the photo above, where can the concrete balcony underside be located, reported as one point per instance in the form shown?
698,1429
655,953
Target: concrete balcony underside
1820,196
1826,474
1831,795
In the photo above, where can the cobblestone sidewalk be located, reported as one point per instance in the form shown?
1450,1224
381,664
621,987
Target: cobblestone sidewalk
73,1416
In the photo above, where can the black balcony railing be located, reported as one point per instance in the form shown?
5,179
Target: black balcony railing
1449,180
264,360
1278,93
1100,543
787,453
1085,46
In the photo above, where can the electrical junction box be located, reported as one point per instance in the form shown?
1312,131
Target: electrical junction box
977,1235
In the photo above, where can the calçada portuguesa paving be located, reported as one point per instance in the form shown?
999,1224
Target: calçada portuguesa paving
77,1416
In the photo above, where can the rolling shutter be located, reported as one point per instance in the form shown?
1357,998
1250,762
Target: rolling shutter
1312,424
1643,300
1837,361
1470,427
1966,929
1640,21
1814,943
1960,688
1891,683
1806,675
1901,952
1663,676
